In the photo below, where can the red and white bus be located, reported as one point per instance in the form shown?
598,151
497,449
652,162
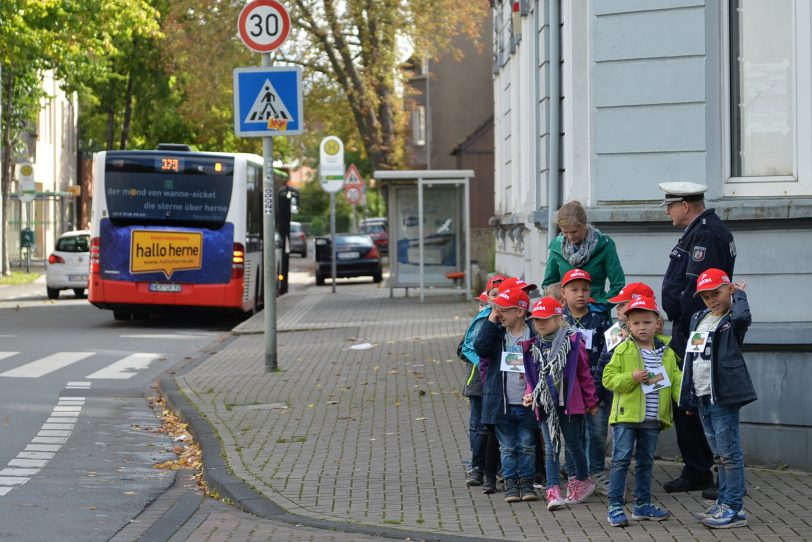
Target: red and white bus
176,228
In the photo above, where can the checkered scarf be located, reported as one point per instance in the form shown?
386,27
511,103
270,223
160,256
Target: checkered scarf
552,364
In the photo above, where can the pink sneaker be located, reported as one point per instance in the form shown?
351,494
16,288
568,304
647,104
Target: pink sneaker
554,498
580,491
570,485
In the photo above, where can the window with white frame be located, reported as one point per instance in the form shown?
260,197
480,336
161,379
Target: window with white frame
419,126
769,128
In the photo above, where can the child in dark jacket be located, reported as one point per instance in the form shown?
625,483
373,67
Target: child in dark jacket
499,346
717,384
591,324
561,387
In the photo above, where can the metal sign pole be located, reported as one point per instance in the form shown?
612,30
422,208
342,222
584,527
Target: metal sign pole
269,247
333,238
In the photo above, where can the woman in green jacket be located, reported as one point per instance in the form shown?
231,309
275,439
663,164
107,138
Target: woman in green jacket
581,245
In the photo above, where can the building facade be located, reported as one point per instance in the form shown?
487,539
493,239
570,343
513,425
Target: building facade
450,102
601,100
53,150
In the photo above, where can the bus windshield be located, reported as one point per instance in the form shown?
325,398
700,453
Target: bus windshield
168,189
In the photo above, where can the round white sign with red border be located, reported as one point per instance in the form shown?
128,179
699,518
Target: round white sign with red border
263,25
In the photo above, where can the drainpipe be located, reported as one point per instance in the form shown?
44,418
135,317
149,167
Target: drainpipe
554,171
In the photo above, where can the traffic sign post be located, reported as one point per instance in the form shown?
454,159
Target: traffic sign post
331,171
267,104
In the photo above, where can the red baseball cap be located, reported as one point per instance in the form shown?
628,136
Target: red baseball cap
711,279
484,296
514,297
516,282
643,304
631,291
575,274
494,281
547,307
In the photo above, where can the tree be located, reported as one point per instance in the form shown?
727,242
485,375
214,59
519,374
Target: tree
74,39
358,45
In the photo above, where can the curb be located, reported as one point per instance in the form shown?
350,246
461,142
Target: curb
243,497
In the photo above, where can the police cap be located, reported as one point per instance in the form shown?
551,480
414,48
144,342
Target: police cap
682,191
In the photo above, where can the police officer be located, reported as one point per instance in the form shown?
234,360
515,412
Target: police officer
705,243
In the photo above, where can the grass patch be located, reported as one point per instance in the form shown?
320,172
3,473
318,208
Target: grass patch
19,277
392,521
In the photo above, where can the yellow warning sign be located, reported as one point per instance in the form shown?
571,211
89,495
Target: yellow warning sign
166,251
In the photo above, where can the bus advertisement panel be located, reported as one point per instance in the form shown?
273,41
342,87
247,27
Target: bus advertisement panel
175,229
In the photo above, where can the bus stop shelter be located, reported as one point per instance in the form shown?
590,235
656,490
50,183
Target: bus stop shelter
429,229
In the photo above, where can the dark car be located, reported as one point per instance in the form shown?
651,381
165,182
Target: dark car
298,239
356,256
377,229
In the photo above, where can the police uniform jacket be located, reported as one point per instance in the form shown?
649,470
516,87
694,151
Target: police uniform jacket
706,243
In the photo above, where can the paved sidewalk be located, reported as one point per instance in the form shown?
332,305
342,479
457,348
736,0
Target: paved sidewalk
374,439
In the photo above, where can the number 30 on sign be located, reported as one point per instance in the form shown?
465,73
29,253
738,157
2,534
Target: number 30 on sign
263,25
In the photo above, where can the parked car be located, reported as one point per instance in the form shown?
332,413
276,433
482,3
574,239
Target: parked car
378,230
356,256
68,266
298,239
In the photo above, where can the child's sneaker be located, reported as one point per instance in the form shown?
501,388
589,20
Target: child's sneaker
650,512
526,489
512,492
707,513
554,499
474,477
601,484
617,517
579,491
726,518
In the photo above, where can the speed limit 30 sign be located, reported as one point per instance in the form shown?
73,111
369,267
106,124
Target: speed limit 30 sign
263,25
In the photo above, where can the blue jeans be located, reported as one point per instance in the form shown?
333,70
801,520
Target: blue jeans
625,438
594,441
474,421
721,425
517,443
572,430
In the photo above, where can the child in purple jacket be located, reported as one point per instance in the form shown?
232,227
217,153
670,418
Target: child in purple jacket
561,388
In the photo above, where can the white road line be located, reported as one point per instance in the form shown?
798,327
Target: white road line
4,355
125,368
61,420
4,490
19,472
78,385
51,433
72,408
49,440
12,481
58,426
48,364
68,414
39,463
36,455
43,447
162,336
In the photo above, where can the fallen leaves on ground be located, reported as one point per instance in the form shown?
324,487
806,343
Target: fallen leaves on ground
188,452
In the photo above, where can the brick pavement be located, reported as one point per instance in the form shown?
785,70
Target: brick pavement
377,437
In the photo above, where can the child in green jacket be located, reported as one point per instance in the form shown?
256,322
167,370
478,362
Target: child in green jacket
645,378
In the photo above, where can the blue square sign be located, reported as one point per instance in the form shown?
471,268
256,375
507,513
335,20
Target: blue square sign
268,101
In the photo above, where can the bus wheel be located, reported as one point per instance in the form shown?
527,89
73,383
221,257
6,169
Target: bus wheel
121,315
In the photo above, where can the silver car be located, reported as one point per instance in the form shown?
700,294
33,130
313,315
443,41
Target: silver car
298,239
68,266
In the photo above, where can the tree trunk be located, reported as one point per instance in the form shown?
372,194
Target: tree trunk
128,110
111,117
5,163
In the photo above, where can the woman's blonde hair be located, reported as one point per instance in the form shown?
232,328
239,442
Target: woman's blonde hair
571,213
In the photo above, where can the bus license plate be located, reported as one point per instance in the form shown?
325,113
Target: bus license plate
164,287
348,255
77,278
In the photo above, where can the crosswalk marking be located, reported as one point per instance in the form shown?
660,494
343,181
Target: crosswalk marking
12,481
4,355
125,368
46,365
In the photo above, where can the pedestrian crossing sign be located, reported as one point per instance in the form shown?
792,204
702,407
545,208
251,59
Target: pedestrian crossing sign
268,101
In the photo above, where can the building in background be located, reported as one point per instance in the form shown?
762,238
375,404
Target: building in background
600,101
52,148
450,102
